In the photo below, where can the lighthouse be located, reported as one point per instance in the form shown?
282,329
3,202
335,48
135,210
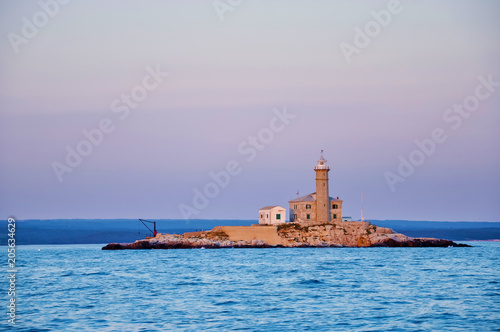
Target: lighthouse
322,192
317,206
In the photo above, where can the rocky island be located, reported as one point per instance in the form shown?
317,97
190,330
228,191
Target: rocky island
293,234
315,221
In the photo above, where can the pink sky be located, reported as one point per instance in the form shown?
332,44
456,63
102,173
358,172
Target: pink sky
225,78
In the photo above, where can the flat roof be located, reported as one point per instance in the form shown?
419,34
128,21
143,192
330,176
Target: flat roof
270,207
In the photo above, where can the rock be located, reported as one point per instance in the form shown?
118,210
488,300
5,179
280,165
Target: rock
113,246
417,242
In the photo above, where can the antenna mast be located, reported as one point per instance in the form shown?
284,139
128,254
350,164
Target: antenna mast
362,219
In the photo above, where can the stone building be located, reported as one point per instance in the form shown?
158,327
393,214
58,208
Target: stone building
318,206
272,215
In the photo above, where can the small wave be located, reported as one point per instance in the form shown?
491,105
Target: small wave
310,281
98,273
189,283
331,263
228,302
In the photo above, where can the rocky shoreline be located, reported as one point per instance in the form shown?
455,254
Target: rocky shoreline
144,244
289,235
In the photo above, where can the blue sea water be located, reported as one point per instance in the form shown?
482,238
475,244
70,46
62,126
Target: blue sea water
82,288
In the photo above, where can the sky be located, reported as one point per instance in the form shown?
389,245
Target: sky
214,109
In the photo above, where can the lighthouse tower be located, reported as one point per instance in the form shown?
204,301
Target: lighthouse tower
322,193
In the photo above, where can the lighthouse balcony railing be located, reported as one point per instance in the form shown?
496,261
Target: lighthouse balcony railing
321,167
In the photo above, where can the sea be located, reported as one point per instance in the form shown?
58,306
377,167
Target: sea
83,288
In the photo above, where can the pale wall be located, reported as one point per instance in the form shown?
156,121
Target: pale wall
268,234
269,216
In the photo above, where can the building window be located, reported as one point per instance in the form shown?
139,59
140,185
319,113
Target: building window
278,216
295,207
267,215
261,215
294,216
308,206
335,206
334,216
308,216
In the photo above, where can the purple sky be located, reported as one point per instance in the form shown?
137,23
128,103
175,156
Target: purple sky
225,78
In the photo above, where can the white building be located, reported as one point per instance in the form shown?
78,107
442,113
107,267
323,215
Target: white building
272,215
